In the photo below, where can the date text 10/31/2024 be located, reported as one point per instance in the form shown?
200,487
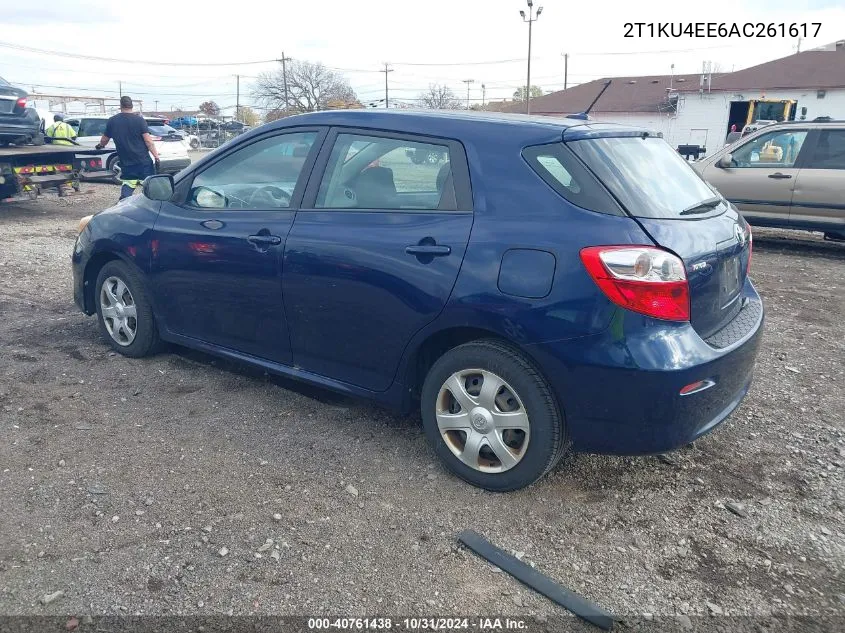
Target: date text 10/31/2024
417,624
721,29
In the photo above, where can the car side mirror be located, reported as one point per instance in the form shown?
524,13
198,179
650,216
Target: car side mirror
206,198
725,162
159,187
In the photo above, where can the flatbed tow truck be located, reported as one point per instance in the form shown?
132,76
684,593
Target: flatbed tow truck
26,171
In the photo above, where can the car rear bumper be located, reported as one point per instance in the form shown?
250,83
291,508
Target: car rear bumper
620,390
11,128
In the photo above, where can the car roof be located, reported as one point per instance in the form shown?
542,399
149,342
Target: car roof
108,116
820,122
456,123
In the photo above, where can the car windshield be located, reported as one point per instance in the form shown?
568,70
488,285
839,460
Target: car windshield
646,175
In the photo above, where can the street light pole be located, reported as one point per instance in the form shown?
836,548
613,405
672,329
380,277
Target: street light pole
531,19
468,82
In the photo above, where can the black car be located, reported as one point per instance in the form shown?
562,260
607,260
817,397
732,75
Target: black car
18,124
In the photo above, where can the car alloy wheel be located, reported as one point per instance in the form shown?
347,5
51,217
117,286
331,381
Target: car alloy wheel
482,420
120,314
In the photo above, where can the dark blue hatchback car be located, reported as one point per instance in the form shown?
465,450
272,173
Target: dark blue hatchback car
532,284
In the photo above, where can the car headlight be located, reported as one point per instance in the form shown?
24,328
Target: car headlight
84,222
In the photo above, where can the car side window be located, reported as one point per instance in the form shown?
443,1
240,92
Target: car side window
564,173
92,127
830,151
779,148
262,175
375,172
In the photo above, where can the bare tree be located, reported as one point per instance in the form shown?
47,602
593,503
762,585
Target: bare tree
310,87
439,97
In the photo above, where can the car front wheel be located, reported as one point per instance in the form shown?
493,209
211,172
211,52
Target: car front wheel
124,311
491,417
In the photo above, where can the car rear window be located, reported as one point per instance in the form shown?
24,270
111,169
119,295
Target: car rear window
564,173
160,129
646,175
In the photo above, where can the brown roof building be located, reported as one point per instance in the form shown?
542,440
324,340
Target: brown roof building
701,109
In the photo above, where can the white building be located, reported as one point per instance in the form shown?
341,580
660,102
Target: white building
701,109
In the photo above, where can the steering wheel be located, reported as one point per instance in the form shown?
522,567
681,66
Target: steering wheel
275,196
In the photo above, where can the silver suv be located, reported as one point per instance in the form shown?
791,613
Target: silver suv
788,175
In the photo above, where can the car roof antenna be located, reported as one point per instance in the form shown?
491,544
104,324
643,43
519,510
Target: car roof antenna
584,115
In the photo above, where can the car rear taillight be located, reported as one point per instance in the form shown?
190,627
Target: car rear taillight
644,279
21,103
155,138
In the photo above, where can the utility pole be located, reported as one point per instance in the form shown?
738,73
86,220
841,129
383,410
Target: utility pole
468,82
120,87
565,69
385,71
531,20
284,61
156,106
483,95
799,46
237,98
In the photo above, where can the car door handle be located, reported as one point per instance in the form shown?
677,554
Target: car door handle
780,176
264,240
433,250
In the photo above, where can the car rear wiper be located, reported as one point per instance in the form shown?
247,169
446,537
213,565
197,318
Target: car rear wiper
702,207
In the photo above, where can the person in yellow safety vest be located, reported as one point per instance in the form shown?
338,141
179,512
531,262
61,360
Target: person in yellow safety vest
60,132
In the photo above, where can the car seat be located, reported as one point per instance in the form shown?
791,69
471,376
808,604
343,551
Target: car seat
375,189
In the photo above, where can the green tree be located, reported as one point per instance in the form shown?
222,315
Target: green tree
519,95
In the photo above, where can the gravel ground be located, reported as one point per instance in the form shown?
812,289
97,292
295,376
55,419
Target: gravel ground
182,484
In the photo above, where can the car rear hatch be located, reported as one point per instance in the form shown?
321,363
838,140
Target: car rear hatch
679,211
168,141
9,101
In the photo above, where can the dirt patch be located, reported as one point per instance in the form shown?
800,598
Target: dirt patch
153,486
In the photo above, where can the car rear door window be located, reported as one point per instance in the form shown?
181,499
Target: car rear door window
380,172
262,175
779,148
830,151
92,127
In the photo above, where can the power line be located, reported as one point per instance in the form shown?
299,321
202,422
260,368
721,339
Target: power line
42,51
490,63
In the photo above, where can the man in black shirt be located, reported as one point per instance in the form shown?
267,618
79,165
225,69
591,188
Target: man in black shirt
134,146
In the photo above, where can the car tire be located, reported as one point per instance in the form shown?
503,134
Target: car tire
124,311
113,165
519,401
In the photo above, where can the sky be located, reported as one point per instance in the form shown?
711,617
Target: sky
424,42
